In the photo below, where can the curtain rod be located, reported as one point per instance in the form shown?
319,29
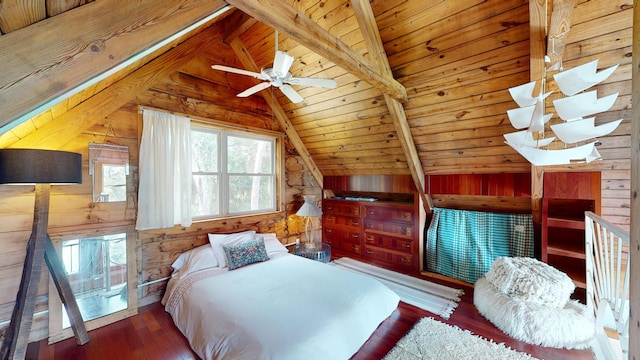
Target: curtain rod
207,121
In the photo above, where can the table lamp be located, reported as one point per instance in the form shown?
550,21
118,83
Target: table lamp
41,168
309,210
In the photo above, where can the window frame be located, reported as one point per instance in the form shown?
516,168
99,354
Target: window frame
277,164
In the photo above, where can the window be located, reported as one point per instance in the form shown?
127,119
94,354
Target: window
233,172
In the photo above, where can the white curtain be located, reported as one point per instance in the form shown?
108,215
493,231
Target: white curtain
164,194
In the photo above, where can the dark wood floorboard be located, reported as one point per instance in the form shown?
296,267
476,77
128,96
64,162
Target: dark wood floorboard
152,335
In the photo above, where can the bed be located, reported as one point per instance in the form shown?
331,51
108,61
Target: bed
284,307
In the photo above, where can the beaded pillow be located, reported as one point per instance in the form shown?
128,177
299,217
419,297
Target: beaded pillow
238,255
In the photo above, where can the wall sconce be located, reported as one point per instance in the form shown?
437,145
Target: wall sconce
42,168
309,210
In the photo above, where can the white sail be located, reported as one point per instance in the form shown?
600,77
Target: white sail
523,94
543,157
530,117
525,138
581,130
538,119
582,77
577,106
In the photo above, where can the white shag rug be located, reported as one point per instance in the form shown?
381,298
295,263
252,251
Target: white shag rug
431,339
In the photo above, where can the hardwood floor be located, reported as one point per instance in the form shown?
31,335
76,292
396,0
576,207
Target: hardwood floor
152,335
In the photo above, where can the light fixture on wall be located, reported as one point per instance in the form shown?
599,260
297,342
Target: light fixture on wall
309,210
42,168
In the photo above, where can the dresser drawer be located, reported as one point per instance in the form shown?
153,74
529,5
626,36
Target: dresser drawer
389,214
339,220
341,207
393,228
401,260
389,242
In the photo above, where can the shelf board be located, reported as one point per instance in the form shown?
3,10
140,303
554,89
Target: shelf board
566,223
566,252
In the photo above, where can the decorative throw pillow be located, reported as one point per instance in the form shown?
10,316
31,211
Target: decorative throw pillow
217,240
239,255
198,258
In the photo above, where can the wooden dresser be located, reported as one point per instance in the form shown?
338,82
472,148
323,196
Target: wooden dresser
379,232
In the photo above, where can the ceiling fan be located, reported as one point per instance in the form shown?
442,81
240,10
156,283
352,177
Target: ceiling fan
279,76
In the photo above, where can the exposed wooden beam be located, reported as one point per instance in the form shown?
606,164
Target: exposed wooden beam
558,28
287,20
537,36
249,64
56,133
634,245
236,24
369,28
45,63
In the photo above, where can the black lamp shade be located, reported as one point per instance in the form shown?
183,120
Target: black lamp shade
34,166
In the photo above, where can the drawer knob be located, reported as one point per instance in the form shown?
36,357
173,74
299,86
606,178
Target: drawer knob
369,251
369,238
405,260
355,236
406,246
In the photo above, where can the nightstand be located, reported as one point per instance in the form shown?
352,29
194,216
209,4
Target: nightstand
321,252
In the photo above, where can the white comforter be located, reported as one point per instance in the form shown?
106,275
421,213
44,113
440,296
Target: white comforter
286,308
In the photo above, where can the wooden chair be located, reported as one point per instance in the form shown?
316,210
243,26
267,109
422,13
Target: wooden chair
607,249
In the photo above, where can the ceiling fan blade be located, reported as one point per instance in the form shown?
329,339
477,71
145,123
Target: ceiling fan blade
291,94
282,63
240,71
254,89
317,82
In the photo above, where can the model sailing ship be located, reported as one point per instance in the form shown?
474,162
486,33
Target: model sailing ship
576,129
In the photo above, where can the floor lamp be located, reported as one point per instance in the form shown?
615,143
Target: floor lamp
42,168
309,210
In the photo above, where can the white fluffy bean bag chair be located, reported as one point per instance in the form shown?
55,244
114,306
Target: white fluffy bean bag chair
531,280
521,307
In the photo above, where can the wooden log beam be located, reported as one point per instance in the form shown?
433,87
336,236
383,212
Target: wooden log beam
368,26
55,134
537,36
634,245
249,64
44,63
236,24
558,28
287,20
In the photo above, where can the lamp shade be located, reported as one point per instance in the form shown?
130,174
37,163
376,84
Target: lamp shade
35,166
309,208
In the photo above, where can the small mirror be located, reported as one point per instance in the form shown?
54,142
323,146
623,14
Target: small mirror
108,167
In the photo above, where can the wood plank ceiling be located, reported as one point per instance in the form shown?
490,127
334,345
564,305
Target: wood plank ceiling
450,64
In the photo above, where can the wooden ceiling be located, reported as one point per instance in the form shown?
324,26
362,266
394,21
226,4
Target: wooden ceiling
422,85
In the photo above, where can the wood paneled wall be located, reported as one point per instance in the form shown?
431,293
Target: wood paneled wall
171,84
511,184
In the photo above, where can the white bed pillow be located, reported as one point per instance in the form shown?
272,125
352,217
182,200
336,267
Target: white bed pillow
217,240
273,245
198,258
